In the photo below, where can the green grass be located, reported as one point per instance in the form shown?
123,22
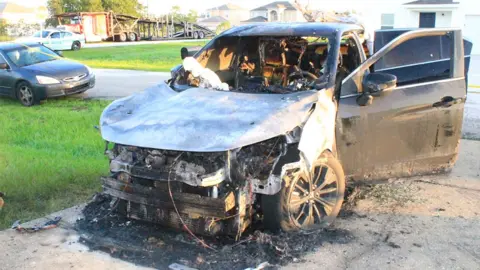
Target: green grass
151,57
51,156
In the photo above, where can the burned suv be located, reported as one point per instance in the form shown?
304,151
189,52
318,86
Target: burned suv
266,123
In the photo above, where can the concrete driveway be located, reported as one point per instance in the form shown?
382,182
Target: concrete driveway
426,222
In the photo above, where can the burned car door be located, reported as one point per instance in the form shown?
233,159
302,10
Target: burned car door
391,126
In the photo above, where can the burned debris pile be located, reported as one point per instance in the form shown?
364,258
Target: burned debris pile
150,245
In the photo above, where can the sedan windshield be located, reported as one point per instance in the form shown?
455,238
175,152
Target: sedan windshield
27,56
42,34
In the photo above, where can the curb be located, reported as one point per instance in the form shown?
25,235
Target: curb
475,90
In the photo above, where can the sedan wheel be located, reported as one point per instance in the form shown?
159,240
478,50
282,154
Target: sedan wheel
25,94
76,46
309,199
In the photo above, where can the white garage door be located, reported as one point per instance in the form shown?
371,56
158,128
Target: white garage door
472,23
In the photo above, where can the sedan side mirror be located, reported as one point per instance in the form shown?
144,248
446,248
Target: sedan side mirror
378,83
4,66
374,85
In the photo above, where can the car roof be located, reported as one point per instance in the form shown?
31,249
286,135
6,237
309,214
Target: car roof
16,45
291,29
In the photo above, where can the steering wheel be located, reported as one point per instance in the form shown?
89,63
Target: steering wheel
302,74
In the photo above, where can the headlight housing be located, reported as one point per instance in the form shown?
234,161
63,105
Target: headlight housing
90,71
46,80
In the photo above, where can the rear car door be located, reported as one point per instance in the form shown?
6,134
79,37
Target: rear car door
415,126
55,41
67,40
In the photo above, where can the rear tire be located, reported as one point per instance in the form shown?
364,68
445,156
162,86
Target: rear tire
195,35
76,46
307,200
25,94
201,35
132,36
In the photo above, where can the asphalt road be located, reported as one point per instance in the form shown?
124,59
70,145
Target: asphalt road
117,83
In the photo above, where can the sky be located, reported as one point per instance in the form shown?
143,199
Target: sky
163,6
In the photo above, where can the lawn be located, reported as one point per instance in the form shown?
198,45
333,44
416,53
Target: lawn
51,156
152,57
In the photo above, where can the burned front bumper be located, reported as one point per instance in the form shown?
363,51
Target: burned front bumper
178,189
153,201
210,193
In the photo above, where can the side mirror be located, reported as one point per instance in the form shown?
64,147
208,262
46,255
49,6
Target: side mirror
186,52
374,85
378,83
4,66
183,53
59,53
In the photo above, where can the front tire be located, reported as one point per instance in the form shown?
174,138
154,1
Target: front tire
25,94
307,200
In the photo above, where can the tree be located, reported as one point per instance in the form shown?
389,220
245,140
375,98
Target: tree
177,15
91,5
309,14
55,7
192,16
129,7
223,26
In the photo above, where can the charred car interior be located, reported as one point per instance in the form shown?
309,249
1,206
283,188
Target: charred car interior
258,64
266,123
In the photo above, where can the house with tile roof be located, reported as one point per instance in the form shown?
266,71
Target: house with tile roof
231,12
278,11
212,23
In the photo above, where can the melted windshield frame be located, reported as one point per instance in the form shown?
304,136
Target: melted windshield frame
228,53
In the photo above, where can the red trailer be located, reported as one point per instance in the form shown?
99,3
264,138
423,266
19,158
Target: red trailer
99,26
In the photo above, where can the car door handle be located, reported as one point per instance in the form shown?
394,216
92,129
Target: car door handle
446,102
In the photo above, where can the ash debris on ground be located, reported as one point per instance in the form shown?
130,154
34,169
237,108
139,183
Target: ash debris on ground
155,246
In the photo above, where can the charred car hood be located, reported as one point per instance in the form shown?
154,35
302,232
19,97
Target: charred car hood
202,120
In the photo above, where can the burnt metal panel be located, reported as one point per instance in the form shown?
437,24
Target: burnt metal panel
202,120
406,132
185,202
292,29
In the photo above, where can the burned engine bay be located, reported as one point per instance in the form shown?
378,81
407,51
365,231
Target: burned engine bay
259,64
211,193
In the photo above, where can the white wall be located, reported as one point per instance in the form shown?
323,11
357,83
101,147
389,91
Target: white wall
443,19
257,13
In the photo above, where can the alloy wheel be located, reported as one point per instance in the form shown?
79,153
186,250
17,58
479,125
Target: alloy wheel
25,95
313,196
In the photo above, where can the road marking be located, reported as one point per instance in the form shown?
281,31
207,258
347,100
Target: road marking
474,86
